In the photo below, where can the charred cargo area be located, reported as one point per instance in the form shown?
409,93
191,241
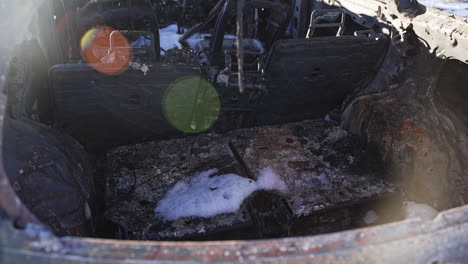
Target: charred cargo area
323,168
234,120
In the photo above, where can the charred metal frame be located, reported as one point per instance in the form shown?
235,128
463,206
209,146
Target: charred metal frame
415,241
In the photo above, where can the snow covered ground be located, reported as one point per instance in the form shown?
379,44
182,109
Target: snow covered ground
459,8
206,195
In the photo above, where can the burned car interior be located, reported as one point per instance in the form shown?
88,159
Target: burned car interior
264,119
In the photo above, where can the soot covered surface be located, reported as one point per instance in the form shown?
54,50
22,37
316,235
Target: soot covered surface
322,166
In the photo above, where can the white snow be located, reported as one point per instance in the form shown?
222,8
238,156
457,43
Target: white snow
459,8
192,41
139,66
370,218
447,4
206,196
459,12
422,211
169,38
268,180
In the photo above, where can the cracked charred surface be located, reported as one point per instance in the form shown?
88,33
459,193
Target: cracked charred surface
140,175
322,166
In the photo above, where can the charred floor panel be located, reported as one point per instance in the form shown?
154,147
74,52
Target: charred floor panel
329,182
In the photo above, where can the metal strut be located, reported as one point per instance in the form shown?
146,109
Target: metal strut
240,44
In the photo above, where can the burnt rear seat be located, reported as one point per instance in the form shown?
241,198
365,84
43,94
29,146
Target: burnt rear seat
102,110
307,78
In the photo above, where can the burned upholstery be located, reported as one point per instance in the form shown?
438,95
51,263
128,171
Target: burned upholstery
104,110
307,78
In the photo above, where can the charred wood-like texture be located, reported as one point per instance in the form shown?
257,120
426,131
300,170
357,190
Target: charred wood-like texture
322,166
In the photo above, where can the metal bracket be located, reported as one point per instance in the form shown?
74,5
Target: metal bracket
366,33
313,26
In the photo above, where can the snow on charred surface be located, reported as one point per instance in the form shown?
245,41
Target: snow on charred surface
207,194
169,39
312,167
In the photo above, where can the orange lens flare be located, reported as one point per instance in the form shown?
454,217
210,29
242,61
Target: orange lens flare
106,50
63,22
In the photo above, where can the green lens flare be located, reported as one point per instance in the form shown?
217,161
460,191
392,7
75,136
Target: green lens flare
191,104
87,38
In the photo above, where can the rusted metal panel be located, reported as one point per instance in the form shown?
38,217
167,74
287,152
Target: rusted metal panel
411,241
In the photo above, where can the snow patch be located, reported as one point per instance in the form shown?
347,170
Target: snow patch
139,66
459,8
268,180
459,12
206,195
370,218
192,41
447,4
416,210
169,39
